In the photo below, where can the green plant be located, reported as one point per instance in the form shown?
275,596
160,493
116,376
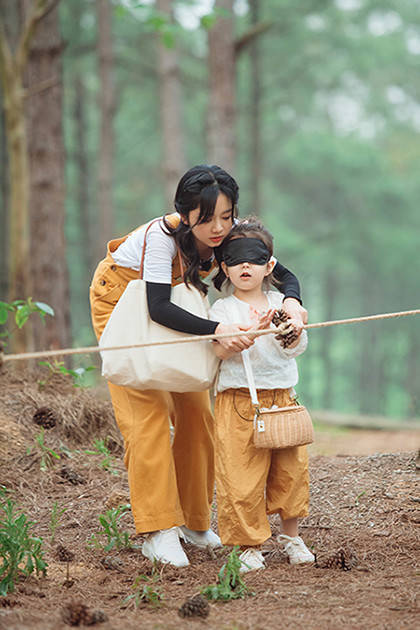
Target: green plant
230,584
22,309
58,367
115,538
47,454
20,553
56,513
102,449
144,590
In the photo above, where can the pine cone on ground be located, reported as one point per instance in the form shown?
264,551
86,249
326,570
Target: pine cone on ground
343,559
196,606
72,476
78,614
45,417
63,554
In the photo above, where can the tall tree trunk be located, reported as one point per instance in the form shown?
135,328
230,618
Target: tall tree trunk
82,176
173,152
107,110
12,64
330,293
4,194
47,195
255,124
221,110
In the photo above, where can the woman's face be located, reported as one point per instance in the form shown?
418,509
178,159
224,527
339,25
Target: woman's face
211,233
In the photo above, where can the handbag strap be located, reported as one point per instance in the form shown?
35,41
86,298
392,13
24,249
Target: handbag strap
246,360
181,264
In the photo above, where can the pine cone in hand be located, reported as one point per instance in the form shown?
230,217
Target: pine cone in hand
287,333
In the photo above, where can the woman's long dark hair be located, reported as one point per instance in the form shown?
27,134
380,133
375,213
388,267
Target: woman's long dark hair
250,227
199,188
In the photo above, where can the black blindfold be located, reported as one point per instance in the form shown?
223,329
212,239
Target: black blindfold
250,250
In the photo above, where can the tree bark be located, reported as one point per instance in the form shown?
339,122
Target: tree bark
107,111
82,176
255,111
173,152
222,100
47,193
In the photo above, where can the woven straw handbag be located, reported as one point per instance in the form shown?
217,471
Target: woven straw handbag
281,427
277,427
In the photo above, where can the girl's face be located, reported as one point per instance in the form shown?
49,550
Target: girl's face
211,233
248,276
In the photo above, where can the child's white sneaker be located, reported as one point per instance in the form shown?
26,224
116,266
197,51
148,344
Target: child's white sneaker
164,546
199,538
296,549
251,559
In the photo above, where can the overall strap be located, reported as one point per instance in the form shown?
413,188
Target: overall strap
181,265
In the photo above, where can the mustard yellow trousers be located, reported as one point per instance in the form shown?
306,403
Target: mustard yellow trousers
170,484
253,482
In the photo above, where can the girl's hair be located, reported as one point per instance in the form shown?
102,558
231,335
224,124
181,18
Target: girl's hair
250,227
199,188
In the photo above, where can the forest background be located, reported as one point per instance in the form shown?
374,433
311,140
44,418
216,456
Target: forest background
313,105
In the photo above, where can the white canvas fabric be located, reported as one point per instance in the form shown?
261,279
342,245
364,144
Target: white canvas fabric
175,368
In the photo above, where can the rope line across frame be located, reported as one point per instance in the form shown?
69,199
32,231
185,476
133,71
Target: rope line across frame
258,333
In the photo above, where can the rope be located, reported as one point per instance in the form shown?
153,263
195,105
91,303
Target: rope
194,338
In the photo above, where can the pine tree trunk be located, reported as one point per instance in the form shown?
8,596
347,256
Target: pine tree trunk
107,111
82,178
47,194
4,194
330,293
222,101
255,123
173,153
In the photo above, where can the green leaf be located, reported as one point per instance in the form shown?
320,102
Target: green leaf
45,308
4,312
21,316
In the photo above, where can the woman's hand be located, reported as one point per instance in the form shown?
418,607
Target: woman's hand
233,344
296,312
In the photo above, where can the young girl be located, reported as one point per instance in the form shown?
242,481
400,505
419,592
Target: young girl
171,485
253,482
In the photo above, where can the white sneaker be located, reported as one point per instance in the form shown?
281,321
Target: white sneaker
200,539
251,559
296,549
164,546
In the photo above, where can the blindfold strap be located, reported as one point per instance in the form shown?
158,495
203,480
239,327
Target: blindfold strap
250,250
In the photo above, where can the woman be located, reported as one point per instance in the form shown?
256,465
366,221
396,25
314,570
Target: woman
171,488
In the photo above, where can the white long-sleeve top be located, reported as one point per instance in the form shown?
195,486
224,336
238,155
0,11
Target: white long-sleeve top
274,367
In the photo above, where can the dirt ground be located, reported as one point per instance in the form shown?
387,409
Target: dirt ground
364,501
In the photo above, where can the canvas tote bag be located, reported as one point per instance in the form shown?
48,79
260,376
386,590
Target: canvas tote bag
187,367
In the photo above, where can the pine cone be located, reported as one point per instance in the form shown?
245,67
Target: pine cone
63,554
343,559
74,613
279,317
45,417
196,606
72,476
78,614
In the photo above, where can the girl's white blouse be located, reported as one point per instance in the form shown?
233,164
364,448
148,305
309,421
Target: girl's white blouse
274,367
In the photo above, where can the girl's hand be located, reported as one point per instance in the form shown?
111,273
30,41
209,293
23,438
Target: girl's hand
296,312
233,344
264,321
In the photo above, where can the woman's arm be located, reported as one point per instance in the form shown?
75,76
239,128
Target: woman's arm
292,303
163,311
